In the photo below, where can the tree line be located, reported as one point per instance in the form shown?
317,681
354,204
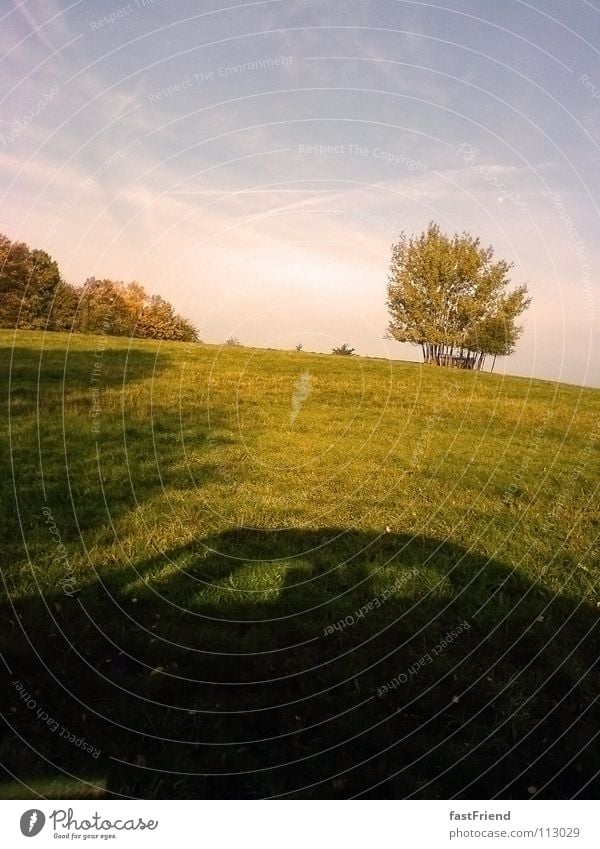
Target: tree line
448,296
33,296
445,294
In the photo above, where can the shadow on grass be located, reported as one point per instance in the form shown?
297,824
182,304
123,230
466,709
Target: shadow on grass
90,437
241,667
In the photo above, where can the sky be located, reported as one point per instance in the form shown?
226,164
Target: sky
254,162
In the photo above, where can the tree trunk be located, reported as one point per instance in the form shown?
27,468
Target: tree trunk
493,364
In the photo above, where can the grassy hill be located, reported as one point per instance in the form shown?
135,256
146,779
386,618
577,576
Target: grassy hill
248,573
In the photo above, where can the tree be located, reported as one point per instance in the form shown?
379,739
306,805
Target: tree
497,334
156,320
299,346
344,350
106,306
28,281
103,308
136,299
63,313
449,296
32,295
184,330
233,342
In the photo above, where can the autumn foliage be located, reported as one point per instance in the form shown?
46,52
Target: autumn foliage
33,296
449,296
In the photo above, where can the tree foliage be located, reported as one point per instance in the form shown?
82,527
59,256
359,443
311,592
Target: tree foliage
33,296
344,350
449,296
28,281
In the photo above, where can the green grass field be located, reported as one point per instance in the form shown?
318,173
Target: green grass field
233,573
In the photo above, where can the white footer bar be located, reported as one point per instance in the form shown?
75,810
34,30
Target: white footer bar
301,824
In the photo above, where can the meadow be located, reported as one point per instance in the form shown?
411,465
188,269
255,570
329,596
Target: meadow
245,573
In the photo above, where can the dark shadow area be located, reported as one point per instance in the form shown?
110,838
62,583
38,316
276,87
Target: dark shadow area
255,664
81,446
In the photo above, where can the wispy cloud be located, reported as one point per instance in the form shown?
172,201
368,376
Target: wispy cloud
289,183
53,30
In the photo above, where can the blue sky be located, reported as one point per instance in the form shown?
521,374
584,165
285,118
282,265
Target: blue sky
254,162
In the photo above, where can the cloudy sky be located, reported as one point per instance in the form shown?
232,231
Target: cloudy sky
254,162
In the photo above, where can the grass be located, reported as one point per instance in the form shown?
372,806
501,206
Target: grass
200,628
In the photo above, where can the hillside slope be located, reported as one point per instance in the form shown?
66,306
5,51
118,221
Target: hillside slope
234,572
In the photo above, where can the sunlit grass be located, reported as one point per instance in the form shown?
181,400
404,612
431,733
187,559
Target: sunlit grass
206,531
